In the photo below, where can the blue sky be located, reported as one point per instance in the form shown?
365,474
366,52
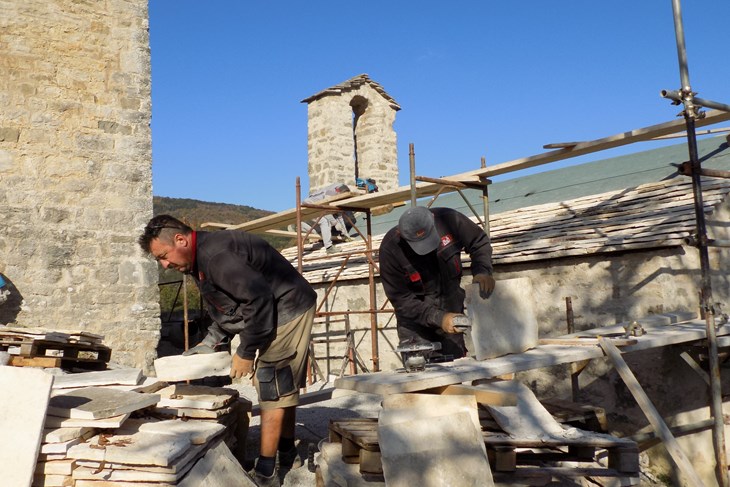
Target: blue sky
473,78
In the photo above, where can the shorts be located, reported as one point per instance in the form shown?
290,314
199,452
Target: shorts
281,368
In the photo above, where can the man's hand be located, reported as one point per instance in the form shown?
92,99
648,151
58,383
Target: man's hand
447,323
486,284
200,348
240,367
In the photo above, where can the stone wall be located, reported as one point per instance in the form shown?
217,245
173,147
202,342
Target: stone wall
331,139
75,170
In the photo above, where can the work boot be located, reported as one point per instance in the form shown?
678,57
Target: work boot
289,459
263,481
331,249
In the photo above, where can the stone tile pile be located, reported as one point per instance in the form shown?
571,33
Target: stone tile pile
106,427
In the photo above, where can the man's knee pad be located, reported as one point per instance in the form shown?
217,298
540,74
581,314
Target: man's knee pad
275,383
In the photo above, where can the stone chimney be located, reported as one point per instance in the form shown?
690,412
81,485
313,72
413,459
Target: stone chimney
350,135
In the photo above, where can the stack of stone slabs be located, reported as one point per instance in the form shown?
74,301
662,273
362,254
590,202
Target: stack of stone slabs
139,450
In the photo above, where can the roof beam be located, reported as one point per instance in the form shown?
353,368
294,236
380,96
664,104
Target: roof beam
403,193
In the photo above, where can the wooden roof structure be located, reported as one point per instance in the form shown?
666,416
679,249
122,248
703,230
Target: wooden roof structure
371,201
653,215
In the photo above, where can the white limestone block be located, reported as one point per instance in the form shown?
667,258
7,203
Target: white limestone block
431,441
179,367
23,403
99,403
505,322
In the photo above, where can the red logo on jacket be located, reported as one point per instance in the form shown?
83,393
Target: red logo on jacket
446,240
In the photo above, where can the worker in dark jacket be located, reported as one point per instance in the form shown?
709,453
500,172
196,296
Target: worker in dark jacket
251,291
421,269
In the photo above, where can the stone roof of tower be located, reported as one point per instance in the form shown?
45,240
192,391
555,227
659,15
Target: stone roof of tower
353,84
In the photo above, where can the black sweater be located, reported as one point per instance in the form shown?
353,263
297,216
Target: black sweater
250,288
424,287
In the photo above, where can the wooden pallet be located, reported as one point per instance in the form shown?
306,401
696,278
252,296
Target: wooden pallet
536,460
359,438
52,353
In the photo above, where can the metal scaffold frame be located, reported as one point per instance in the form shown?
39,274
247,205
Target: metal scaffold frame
691,114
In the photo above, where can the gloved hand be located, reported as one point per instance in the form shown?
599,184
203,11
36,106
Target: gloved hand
486,284
200,348
447,323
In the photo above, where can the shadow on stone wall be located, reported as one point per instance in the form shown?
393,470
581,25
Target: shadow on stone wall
10,309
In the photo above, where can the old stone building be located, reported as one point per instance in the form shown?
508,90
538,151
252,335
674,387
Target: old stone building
350,134
75,171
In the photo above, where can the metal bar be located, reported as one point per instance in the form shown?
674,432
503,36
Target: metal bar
300,240
473,210
373,301
485,202
678,98
690,114
454,184
685,169
185,310
412,161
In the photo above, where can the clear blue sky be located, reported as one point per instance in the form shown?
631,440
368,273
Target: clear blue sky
474,78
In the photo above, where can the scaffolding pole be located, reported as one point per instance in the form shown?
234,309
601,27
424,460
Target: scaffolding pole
690,114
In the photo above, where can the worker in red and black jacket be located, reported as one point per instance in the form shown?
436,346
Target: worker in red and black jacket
421,270
251,291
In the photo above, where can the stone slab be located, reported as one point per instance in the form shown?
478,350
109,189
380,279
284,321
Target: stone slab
114,483
335,472
23,403
63,446
526,419
99,403
505,322
52,481
178,466
55,467
106,423
218,467
195,413
199,397
179,367
130,376
198,432
404,407
468,369
140,448
58,435
444,447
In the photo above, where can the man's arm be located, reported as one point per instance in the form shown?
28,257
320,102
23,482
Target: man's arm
477,245
406,303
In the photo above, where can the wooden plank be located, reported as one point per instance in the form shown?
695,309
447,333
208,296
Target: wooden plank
657,422
45,362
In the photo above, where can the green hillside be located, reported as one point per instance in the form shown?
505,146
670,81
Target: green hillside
195,213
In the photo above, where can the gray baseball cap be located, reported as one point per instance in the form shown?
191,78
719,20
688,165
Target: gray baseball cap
416,226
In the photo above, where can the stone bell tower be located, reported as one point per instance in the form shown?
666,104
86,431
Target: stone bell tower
350,135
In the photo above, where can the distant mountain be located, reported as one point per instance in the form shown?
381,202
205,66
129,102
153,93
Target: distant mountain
195,213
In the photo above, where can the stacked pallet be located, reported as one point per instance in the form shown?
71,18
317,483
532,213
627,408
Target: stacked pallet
36,347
